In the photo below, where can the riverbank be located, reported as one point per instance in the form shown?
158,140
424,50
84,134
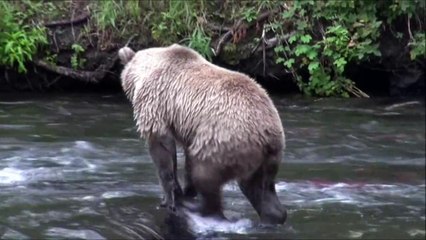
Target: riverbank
317,48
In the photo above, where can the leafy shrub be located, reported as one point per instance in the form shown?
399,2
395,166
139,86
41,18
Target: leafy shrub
348,31
76,60
330,34
417,46
200,42
180,22
175,22
18,41
108,12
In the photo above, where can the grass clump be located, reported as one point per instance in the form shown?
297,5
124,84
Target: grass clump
19,41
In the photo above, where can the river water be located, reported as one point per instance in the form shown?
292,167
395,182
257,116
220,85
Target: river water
72,166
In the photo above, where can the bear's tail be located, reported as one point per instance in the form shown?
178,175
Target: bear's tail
125,54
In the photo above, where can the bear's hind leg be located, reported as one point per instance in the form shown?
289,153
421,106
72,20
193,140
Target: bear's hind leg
162,149
259,189
189,188
208,184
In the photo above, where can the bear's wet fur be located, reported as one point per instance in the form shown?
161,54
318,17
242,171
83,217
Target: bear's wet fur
226,123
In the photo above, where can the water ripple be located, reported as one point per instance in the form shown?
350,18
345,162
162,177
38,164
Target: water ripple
64,233
310,193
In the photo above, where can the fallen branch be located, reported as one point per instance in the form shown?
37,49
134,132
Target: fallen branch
217,28
225,38
83,17
88,76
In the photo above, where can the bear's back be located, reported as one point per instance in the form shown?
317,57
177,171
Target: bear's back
222,109
213,109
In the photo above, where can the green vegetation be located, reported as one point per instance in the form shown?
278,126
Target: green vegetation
76,60
417,46
19,42
330,34
181,21
317,39
200,42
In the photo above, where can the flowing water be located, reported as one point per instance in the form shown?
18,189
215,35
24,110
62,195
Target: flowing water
73,167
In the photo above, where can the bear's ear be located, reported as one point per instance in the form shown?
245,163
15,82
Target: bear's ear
125,54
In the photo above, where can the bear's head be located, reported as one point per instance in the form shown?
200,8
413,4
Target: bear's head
125,54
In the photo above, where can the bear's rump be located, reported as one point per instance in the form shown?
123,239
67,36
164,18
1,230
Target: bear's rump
231,147
234,160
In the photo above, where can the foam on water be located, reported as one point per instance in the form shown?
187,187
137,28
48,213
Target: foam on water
13,234
355,234
361,194
56,232
11,176
203,225
417,232
117,194
84,145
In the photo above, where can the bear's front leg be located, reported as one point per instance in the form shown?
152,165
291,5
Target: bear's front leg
162,149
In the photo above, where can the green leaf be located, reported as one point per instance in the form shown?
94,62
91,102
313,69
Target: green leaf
289,63
77,48
8,47
288,14
413,54
21,67
279,49
280,60
302,49
312,54
292,39
306,38
340,64
377,52
301,25
313,66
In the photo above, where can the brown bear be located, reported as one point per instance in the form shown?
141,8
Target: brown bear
226,123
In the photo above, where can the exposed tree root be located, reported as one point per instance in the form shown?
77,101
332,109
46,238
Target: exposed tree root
88,76
357,92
